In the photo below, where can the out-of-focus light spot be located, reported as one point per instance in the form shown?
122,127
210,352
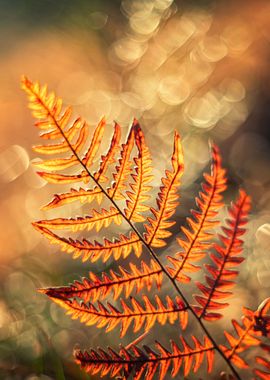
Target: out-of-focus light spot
233,90
74,86
129,50
263,275
237,37
130,7
96,103
179,30
201,19
32,179
263,235
162,4
97,20
238,114
174,90
203,112
132,100
212,49
14,161
146,86
144,22
197,71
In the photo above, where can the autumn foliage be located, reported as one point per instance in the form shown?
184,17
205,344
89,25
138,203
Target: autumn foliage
124,175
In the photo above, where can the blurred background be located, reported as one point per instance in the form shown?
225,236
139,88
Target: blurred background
201,67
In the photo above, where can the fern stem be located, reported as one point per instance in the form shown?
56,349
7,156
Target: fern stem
148,247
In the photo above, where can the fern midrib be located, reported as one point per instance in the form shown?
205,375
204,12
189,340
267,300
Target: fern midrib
121,315
225,257
143,242
200,227
151,360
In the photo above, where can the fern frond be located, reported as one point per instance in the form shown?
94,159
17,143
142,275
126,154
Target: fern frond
147,363
255,324
140,187
110,317
226,257
120,247
198,236
262,373
97,220
82,195
60,179
109,159
167,201
94,145
123,170
96,288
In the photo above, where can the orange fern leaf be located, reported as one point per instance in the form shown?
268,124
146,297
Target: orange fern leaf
262,374
95,143
198,238
81,195
97,220
120,247
141,179
255,324
146,363
123,170
227,256
110,317
109,159
167,201
95,288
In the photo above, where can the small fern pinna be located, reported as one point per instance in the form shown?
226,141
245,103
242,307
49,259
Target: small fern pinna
73,149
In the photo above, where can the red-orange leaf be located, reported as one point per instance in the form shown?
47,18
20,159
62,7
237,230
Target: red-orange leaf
109,159
226,257
120,247
167,201
140,315
96,288
81,195
199,235
97,220
145,364
140,187
254,325
123,170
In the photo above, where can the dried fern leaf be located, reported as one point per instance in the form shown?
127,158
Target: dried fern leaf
225,258
262,373
199,234
97,288
123,170
120,247
110,317
98,220
94,145
82,195
167,201
254,326
147,363
141,178
109,159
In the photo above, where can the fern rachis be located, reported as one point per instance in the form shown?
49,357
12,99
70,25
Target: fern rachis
80,298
